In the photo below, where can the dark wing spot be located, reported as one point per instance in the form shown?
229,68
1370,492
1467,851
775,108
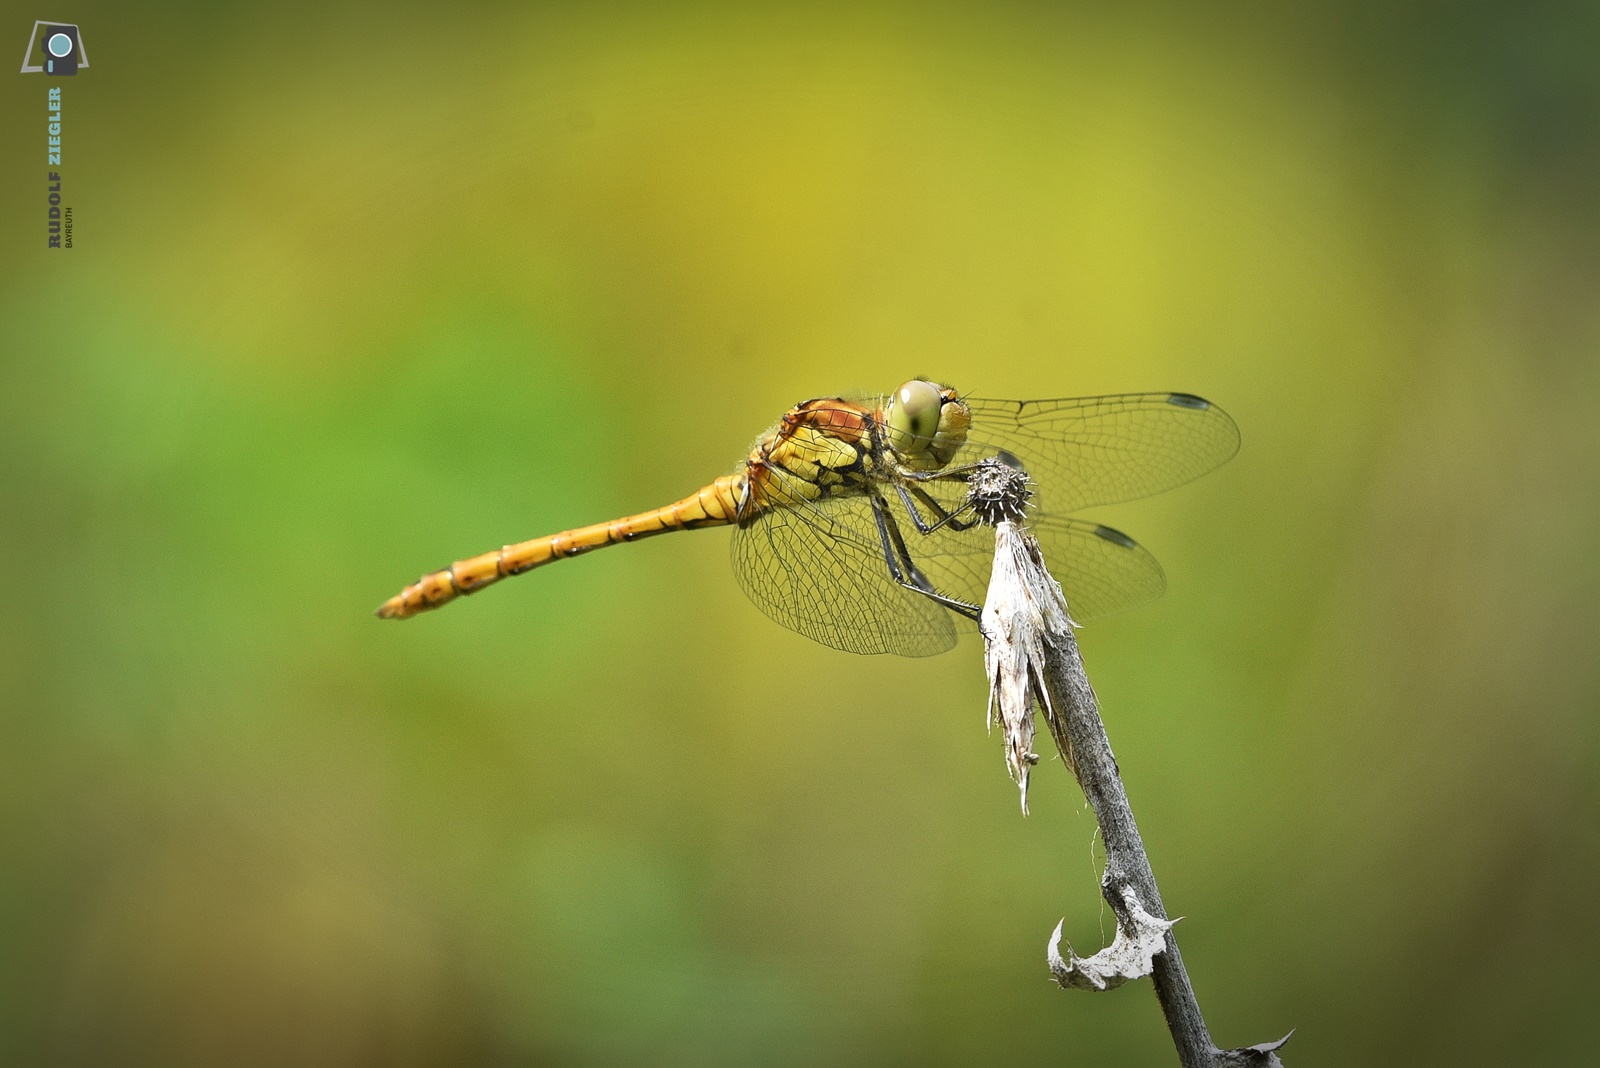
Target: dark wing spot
1116,537
1188,400
1010,460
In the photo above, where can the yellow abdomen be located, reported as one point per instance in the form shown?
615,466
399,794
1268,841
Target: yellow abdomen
714,505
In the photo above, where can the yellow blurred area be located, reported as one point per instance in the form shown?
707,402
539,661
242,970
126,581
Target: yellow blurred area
357,291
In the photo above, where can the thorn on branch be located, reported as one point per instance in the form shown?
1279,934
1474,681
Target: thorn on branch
1131,954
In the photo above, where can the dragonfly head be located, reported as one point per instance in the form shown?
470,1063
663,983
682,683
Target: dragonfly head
927,423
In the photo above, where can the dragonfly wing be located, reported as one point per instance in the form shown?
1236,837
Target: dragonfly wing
818,568
1086,451
1102,571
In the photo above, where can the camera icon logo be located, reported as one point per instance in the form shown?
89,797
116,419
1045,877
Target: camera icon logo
54,48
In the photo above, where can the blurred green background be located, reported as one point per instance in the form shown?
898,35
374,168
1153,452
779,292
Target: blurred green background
361,290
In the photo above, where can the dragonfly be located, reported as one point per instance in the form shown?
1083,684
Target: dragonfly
851,524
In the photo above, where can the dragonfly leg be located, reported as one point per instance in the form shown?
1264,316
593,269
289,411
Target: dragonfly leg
906,573
944,518
958,474
901,569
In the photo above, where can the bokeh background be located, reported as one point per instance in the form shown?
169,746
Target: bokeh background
361,290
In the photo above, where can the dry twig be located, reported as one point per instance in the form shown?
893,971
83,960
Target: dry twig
1032,657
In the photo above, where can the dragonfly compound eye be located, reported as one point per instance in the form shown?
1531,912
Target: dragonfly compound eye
914,416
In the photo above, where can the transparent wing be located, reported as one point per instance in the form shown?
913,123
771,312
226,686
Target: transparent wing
819,569
1086,451
1102,571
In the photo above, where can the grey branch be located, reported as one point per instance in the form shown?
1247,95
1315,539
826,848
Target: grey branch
1032,659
